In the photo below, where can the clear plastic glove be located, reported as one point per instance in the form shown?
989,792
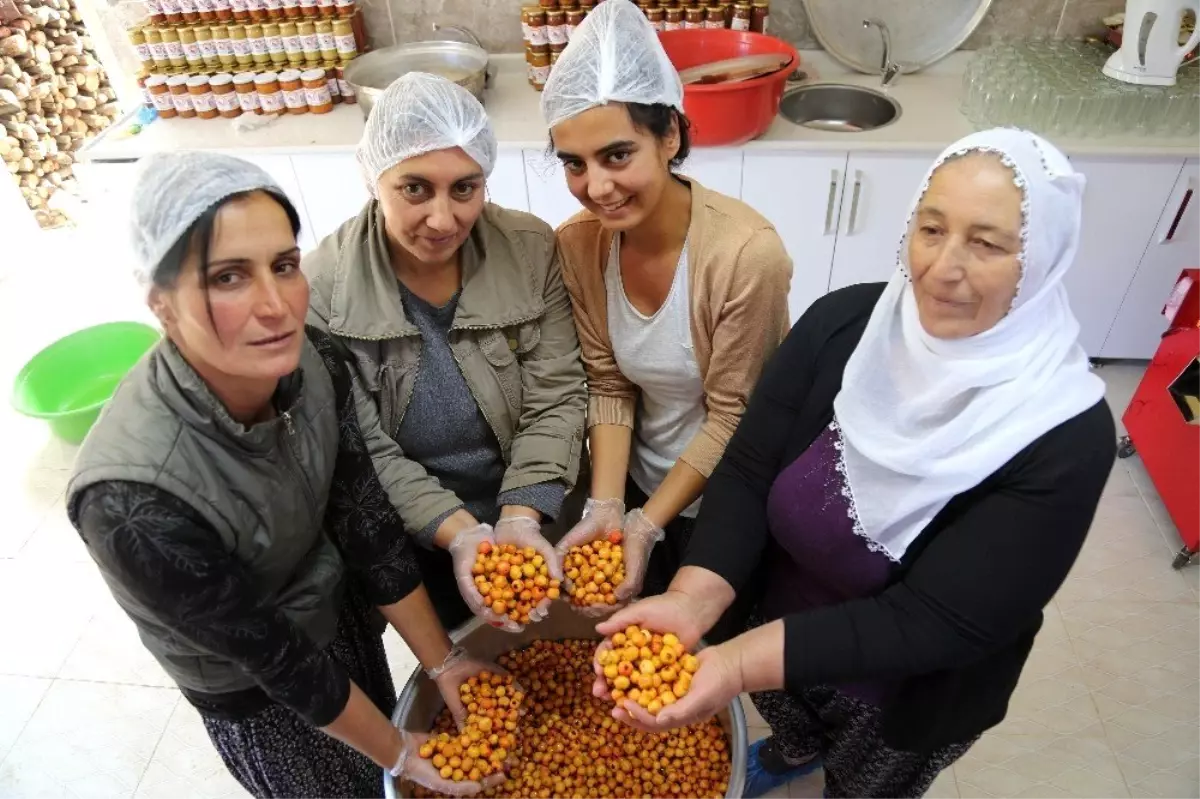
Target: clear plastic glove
454,671
411,766
522,532
463,550
641,535
600,517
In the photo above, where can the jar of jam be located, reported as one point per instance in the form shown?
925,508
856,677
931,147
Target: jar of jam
223,10
257,9
293,92
587,5
160,94
575,16
308,9
539,36
760,15
549,5
291,43
327,9
188,9
191,49
206,11
258,45
241,11
693,18
274,40
154,9
180,97
326,44
240,41
174,48
741,17
346,8
274,9
158,51
270,96
247,92
222,44
316,91
171,12
658,19
331,83
343,40
347,91
291,9
225,97
556,27
674,21
556,50
309,46
714,18
202,99
539,69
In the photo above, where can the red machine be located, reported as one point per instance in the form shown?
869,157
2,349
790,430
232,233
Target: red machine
1163,419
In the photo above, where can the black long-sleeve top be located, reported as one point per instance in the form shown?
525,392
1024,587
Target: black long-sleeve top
954,627
168,557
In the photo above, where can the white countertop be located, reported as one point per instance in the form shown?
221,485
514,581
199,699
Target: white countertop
929,120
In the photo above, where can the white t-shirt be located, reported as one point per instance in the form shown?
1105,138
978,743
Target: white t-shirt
655,353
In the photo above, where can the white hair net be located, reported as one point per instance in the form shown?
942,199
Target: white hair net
419,113
613,56
174,189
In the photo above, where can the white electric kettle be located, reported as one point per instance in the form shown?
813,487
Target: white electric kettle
1150,52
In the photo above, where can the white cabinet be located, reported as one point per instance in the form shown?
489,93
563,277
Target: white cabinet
799,193
333,188
280,168
718,169
877,194
1121,207
1174,246
506,184
549,197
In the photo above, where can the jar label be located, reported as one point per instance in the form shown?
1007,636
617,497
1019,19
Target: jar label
202,102
740,24
539,74
258,45
345,88
345,4
295,98
308,3
158,52
204,6
224,47
241,47
539,35
672,26
317,97
143,52
221,5
182,102
238,5
227,102
169,6
346,44
332,84
187,6
255,5
174,50
693,26
291,4
308,44
208,49
325,3
273,5
715,24
766,24
557,34
163,102
325,41
191,51
152,7
248,101
291,45
271,103
275,45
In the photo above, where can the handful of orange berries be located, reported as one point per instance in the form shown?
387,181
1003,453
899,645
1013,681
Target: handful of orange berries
512,581
493,703
650,669
595,570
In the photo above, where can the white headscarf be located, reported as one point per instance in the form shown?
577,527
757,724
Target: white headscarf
924,419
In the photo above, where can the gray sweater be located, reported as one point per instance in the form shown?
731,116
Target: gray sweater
444,430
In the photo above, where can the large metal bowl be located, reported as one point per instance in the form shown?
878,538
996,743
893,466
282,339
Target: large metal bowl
420,701
461,62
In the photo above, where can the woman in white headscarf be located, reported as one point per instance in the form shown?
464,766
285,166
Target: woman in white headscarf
914,477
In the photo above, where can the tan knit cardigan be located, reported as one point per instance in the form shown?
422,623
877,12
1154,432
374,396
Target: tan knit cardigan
739,274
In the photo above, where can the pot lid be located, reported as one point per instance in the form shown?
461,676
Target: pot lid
922,31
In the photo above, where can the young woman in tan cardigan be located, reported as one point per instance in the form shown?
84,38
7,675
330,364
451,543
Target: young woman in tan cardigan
679,294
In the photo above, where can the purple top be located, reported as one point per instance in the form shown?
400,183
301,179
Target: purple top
817,557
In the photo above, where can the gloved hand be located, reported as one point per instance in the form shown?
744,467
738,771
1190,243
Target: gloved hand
641,535
454,671
600,517
463,550
411,766
523,532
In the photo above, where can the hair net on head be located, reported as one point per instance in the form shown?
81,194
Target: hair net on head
613,56
420,113
174,189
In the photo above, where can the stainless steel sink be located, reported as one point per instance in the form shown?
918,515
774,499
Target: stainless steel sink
838,107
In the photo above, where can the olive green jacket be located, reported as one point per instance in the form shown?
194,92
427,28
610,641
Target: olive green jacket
513,337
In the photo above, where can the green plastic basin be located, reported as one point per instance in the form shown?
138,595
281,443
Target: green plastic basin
69,381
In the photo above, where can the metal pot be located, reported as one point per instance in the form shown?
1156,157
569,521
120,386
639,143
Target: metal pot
420,701
461,62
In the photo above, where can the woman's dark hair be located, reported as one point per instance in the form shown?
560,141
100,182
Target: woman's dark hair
656,120
200,232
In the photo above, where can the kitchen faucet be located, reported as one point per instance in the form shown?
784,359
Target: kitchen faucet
887,67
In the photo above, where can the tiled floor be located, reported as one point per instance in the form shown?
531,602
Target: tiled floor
1108,705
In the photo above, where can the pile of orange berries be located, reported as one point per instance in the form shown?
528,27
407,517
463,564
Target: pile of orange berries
595,570
493,704
570,746
512,581
650,669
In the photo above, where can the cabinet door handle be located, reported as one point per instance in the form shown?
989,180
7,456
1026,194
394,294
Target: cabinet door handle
1187,198
854,202
833,184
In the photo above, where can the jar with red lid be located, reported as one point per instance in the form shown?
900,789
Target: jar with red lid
316,91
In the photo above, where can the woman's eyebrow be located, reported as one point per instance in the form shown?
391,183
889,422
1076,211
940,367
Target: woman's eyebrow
605,150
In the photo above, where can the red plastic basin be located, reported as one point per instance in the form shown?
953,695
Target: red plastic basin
727,114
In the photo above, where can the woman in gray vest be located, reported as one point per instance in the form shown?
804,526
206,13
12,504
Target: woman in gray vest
227,496
467,354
